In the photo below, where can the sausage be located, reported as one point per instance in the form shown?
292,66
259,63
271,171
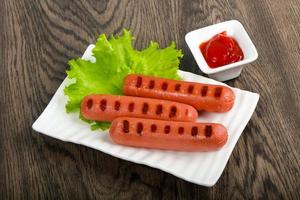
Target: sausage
168,135
211,98
108,107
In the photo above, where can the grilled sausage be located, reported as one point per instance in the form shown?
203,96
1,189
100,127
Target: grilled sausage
169,135
212,98
108,107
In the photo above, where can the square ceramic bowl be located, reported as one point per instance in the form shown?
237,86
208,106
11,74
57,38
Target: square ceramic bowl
234,29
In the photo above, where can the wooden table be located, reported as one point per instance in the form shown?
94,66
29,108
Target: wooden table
37,38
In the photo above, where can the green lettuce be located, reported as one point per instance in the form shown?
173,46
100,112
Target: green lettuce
115,58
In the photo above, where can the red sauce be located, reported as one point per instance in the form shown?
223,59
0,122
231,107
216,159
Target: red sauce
221,50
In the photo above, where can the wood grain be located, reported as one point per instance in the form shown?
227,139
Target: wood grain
37,38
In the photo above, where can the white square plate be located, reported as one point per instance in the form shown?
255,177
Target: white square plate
203,168
233,29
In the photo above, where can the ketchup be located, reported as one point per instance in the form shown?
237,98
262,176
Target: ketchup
221,50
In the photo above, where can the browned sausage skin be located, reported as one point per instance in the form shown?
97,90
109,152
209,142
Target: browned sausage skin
212,98
168,135
108,107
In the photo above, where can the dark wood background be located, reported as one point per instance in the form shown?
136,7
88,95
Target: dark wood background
37,38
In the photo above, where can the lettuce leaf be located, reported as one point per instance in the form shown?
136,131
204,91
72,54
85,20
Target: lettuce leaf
116,58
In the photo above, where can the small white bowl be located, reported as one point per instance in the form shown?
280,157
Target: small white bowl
234,29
